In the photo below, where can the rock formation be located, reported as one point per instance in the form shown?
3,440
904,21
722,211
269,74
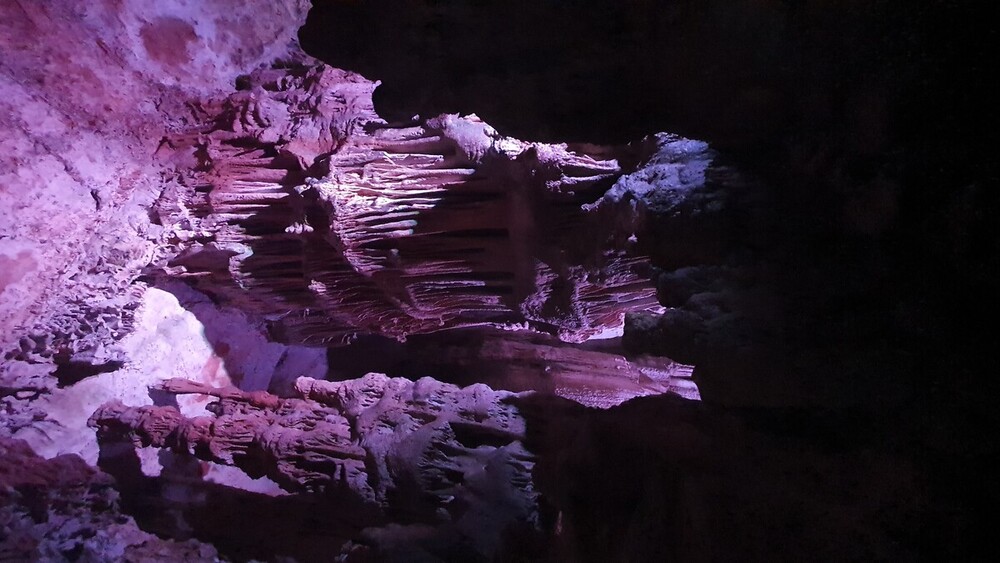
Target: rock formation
341,224
419,451
88,92
597,373
107,80
61,509
185,193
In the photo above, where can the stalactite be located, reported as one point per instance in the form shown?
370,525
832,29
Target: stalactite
363,227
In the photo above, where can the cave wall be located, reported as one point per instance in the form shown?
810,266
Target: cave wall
858,120
89,92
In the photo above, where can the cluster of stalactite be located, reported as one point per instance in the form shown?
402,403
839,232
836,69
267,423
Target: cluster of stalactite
298,200
596,373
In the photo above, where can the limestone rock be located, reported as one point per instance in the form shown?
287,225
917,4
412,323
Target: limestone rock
88,92
421,451
597,373
60,509
300,202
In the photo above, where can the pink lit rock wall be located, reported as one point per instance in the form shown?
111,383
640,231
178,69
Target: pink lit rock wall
451,460
87,92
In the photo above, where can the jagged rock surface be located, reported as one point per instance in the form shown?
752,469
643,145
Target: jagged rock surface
88,92
336,223
61,509
421,452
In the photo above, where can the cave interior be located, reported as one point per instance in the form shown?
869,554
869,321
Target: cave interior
422,280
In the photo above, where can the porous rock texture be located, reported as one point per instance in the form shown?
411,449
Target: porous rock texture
596,373
89,90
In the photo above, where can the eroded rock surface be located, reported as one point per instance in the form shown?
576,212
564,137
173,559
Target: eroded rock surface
299,201
88,92
61,509
421,453
597,373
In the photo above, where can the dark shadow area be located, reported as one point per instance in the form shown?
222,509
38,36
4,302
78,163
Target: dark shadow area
569,71
70,371
747,76
664,479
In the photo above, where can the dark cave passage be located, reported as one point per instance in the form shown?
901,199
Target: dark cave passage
596,373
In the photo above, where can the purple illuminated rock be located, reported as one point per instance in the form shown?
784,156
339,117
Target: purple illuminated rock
61,509
300,202
445,456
